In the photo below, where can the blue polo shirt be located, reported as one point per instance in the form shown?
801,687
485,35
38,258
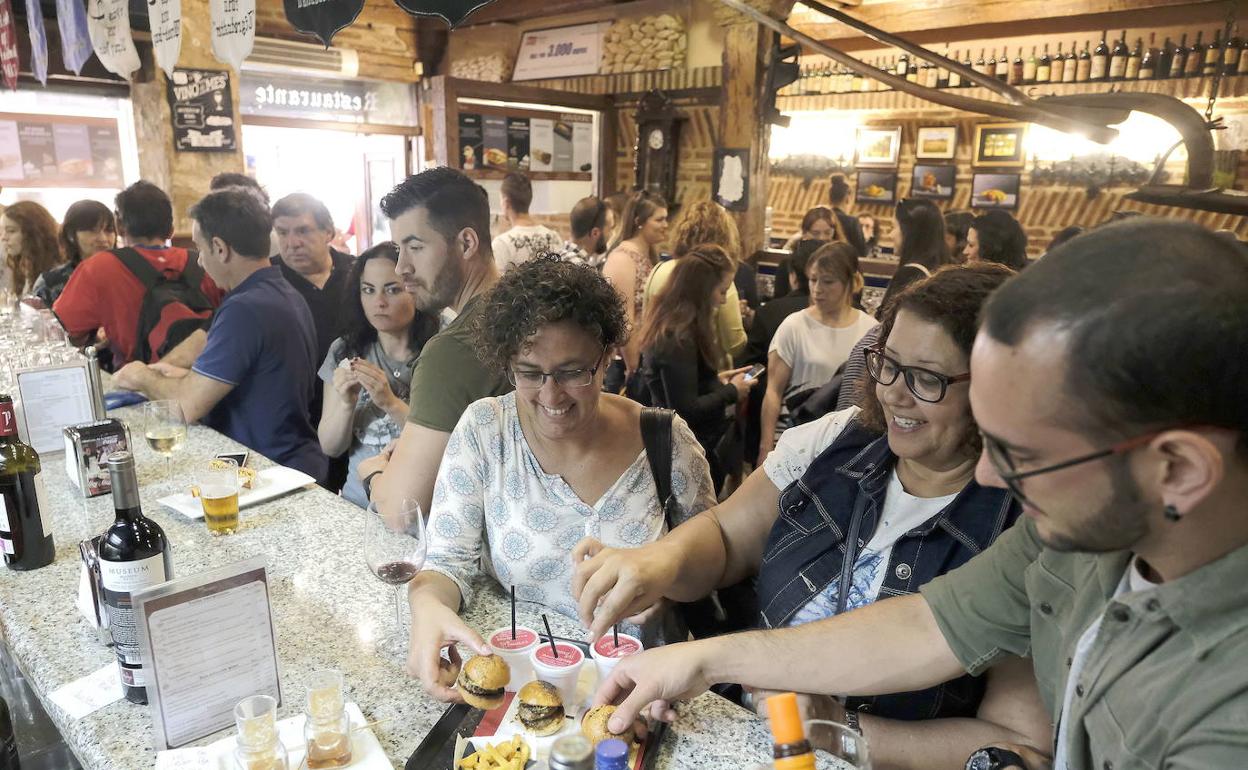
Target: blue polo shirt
263,342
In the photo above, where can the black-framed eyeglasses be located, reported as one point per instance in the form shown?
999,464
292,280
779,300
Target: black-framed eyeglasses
924,384
533,379
1004,466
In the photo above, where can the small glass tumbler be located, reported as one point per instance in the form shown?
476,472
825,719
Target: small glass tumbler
327,729
259,746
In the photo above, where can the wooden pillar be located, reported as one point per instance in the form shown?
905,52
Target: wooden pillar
184,175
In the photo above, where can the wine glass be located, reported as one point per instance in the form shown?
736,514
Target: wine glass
164,427
394,546
848,748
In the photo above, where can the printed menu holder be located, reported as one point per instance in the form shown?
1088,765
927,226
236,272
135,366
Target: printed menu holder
53,397
207,641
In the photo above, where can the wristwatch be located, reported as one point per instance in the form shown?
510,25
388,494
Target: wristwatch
368,484
851,720
993,758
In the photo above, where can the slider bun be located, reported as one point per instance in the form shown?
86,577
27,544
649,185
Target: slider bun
482,679
540,693
594,726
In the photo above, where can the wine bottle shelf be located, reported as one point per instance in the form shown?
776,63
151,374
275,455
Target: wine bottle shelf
1195,89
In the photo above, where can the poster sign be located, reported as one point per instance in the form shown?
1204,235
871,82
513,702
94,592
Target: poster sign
233,30
8,45
534,141
323,18
559,53
732,179
471,142
59,151
108,22
38,41
71,18
451,11
202,110
166,21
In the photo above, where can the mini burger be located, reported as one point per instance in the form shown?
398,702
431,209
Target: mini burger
482,679
594,726
541,708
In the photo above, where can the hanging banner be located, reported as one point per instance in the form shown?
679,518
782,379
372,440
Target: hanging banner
8,45
165,17
323,18
450,11
71,18
108,21
38,41
233,30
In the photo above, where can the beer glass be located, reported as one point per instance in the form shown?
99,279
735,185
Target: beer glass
218,493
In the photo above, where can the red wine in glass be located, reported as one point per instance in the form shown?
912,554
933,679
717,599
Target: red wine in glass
396,573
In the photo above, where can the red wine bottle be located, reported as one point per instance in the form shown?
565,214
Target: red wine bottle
25,537
8,740
134,554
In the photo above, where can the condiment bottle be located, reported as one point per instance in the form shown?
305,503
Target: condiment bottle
791,750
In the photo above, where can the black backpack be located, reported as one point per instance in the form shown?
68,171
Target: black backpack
172,309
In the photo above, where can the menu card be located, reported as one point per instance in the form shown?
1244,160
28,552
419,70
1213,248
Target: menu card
207,642
53,397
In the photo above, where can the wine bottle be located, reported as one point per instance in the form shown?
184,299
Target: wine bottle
955,78
1044,66
134,554
1030,66
1057,66
1231,54
912,73
25,537
1083,68
8,740
1135,60
930,75
1018,68
1070,73
1100,60
1243,59
1118,58
1195,57
1178,58
980,65
1003,66
903,65
942,72
1148,64
1213,56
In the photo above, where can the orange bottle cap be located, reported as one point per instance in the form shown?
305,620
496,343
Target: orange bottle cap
786,722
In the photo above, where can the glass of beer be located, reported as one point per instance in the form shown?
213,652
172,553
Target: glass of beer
218,493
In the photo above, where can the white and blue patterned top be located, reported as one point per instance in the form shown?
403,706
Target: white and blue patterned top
491,490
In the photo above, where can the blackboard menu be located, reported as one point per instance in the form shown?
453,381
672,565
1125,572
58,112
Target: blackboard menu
59,151
202,109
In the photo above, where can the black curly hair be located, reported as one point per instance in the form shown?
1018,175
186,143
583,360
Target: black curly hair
542,291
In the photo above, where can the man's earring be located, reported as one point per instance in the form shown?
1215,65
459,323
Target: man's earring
1171,513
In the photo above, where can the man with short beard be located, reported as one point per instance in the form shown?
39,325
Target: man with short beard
590,220
441,221
1108,381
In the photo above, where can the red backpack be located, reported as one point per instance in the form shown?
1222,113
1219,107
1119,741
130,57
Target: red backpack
172,309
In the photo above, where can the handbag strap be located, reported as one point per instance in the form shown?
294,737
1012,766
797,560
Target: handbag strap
851,552
656,435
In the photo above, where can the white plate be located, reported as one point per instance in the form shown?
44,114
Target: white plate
272,482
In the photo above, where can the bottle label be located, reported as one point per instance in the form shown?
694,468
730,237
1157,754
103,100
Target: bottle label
5,524
41,501
1042,73
125,577
120,579
1133,69
1243,64
8,420
1098,67
1230,56
1118,67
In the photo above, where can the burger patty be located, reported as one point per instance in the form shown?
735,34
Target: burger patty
480,692
533,715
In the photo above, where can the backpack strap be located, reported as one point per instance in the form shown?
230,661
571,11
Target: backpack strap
656,435
145,271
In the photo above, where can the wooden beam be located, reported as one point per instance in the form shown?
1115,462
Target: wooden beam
522,10
741,122
510,92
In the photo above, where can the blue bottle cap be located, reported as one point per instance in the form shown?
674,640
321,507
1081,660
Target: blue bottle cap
611,754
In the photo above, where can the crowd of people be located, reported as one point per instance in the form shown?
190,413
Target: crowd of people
1004,513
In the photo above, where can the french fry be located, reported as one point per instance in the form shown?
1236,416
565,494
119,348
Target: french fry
492,753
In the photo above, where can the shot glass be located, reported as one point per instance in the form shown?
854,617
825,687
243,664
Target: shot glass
259,747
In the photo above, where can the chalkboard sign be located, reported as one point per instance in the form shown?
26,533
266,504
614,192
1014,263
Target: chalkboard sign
202,110
450,11
323,18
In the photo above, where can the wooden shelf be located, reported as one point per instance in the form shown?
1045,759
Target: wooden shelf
1190,89
636,82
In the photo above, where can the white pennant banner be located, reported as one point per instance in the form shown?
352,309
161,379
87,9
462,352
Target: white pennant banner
166,21
233,30
108,21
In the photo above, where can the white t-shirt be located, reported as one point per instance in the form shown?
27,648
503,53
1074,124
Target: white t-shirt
797,448
814,350
520,244
1132,581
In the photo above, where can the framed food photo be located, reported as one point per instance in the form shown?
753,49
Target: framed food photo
933,181
876,187
878,146
994,191
936,143
1000,145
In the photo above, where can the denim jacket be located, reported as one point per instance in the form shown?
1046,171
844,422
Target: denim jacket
805,551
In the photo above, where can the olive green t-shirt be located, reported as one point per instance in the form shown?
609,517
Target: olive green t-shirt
1164,683
449,376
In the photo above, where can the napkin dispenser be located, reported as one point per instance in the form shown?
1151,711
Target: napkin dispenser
91,584
87,446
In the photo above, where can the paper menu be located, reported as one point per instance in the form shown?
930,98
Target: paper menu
51,398
90,693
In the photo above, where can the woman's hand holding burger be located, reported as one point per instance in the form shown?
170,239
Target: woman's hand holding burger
434,627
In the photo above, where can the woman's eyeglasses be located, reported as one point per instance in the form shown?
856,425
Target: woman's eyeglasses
533,379
925,384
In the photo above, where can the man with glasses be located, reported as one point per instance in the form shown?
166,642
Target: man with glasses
441,221
1108,385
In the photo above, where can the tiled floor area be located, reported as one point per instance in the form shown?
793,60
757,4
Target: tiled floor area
38,741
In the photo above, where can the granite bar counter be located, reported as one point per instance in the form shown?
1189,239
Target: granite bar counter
327,606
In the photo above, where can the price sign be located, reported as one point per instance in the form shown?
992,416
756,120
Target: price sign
561,52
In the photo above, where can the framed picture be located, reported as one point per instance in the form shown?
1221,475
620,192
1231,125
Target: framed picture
1000,145
878,146
936,142
933,181
994,191
876,187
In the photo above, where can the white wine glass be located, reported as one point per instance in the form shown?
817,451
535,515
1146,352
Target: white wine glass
164,427
394,547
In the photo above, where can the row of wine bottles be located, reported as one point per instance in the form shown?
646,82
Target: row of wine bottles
133,553
1102,63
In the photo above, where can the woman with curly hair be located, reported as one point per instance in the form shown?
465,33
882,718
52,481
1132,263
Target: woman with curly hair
527,475
89,227
368,370
28,233
706,222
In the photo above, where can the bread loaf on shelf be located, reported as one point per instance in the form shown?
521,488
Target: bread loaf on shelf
650,43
